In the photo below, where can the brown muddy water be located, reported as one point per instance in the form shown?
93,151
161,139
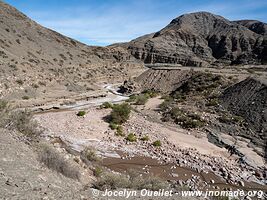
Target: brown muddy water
170,171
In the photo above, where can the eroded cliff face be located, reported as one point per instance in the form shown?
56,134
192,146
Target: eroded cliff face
200,39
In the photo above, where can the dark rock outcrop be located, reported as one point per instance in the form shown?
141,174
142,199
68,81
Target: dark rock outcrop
200,39
248,99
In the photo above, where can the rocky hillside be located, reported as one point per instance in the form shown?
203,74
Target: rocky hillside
200,39
255,26
30,54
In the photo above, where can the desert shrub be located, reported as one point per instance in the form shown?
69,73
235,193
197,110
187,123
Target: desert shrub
190,123
145,138
120,113
156,143
141,99
166,104
23,122
112,181
119,131
106,105
213,102
113,126
90,154
132,98
131,137
228,119
184,119
19,81
150,93
81,113
225,119
179,96
131,180
4,112
238,119
25,97
97,171
53,160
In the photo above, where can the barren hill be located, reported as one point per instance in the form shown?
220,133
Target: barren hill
199,39
32,54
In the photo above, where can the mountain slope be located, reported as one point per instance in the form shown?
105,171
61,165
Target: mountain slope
255,26
200,39
30,53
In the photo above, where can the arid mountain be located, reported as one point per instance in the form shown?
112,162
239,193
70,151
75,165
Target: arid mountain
200,39
30,54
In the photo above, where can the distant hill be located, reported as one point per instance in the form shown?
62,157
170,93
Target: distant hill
202,38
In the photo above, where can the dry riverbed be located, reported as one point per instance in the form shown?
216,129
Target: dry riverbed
184,156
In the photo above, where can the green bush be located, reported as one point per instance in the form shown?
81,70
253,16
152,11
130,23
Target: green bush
106,105
81,113
166,104
145,138
141,99
132,98
97,171
150,93
113,126
191,123
157,143
119,131
131,138
120,113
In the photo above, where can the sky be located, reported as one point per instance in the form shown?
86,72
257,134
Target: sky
103,22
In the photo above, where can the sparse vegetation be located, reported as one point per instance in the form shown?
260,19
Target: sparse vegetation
213,102
113,126
97,171
141,99
120,113
90,154
24,123
4,112
184,119
106,105
145,138
53,160
156,143
231,119
119,131
132,180
131,137
81,113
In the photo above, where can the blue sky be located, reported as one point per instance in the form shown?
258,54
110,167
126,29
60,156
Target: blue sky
103,22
